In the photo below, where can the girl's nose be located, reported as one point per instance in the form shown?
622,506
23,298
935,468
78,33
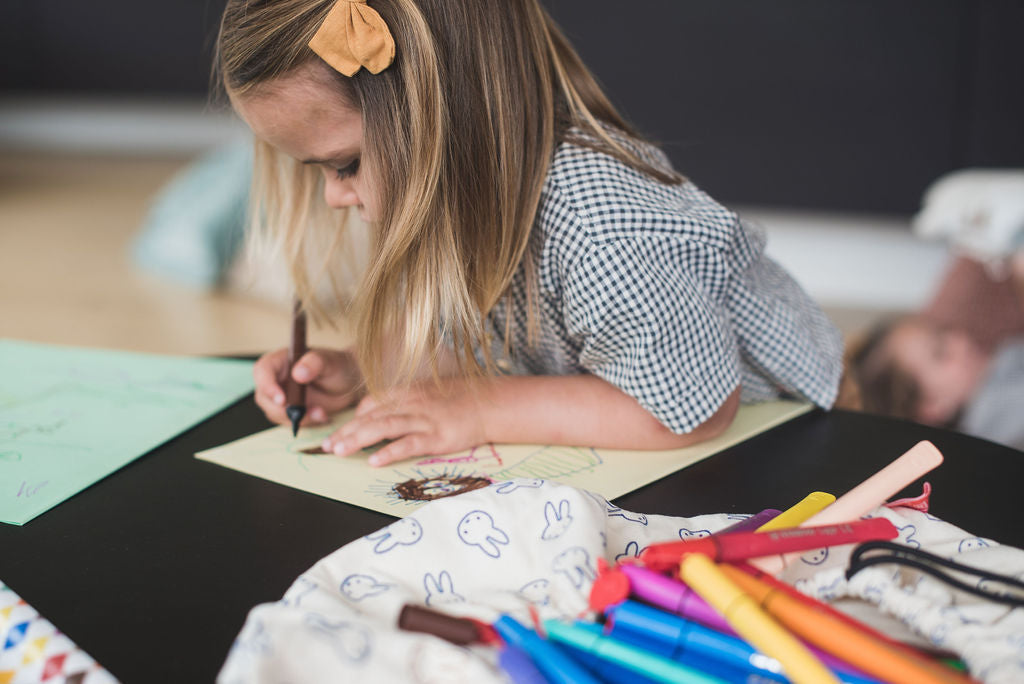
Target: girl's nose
340,193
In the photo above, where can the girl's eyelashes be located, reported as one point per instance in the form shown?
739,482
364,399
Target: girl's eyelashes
347,171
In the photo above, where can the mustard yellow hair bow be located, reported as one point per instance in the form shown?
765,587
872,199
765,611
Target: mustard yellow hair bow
352,36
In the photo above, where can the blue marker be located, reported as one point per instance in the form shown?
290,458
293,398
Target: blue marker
518,666
589,638
684,640
673,637
558,667
606,669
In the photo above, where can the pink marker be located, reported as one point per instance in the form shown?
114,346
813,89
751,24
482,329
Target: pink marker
673,596
865,497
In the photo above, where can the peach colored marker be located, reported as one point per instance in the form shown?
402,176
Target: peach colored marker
865,497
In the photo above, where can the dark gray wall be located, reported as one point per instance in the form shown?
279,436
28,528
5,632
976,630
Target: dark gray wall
835,104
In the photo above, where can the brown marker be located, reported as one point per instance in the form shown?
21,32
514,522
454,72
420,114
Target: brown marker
295,393
459,631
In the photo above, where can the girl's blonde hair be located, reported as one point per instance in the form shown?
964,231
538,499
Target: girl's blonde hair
459,133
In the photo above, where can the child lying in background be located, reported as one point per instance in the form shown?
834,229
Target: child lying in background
959,363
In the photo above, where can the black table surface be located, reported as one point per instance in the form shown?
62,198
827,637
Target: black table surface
153,569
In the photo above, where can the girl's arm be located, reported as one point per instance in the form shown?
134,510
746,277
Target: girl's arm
585,410
580,410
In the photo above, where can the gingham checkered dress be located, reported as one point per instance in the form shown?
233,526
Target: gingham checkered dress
662,292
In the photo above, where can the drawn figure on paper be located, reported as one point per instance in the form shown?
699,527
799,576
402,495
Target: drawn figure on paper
350,641
557,521
972,544
477,529
685,533
428,489
632,551
413,487
358,587
574,563
550,463
405,532
478,454
536,592
440,591
816,557
10,456
513,485
906,536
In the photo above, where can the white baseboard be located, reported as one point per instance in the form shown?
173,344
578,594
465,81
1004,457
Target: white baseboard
851,261
135,127
854,261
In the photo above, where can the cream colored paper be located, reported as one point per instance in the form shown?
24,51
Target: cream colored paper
400,489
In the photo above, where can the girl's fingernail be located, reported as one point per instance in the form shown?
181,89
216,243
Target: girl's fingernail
301,373
326,446
339,449
374,460
279,400
318,415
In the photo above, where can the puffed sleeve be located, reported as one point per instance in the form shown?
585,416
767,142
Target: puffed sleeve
646,312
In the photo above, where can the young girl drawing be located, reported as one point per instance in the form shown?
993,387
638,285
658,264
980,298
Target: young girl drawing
537,272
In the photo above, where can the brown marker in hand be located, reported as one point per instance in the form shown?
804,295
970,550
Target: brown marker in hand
294,392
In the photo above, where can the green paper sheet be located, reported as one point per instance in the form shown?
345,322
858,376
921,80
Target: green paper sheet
69,416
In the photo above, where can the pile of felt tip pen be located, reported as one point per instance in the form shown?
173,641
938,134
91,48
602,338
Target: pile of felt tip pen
709,609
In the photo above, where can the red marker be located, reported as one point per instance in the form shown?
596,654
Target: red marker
743,545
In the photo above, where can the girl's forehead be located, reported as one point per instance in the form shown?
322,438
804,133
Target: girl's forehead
302,115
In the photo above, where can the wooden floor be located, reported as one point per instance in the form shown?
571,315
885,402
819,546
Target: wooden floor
67,277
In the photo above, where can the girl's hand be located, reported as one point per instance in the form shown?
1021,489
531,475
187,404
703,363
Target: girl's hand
425,419
331,377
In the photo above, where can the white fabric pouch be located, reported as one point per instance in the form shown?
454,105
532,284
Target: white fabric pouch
535,543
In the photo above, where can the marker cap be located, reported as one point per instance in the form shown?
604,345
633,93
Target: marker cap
610,587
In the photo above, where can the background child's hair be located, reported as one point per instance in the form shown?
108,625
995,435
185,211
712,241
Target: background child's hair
459,133
885,387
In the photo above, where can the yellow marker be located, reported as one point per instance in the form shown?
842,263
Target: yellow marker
792,517
752,623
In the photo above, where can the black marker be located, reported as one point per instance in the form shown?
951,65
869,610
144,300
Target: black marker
295,393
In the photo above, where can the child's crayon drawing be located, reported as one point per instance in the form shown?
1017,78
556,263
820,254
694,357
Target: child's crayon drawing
69,417
402,487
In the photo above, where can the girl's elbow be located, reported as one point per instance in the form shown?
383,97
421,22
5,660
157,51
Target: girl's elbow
718,423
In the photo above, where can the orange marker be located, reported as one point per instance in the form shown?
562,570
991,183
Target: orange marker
843,641
822,607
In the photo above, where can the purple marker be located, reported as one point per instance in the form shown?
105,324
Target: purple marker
752,523
673,596
518,666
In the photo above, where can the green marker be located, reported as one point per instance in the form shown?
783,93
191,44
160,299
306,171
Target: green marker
589,638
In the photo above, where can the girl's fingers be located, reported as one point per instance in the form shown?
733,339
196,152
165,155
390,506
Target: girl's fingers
310,367
361,433
271,409
331,371
367,404
407,447
315,415
266,372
